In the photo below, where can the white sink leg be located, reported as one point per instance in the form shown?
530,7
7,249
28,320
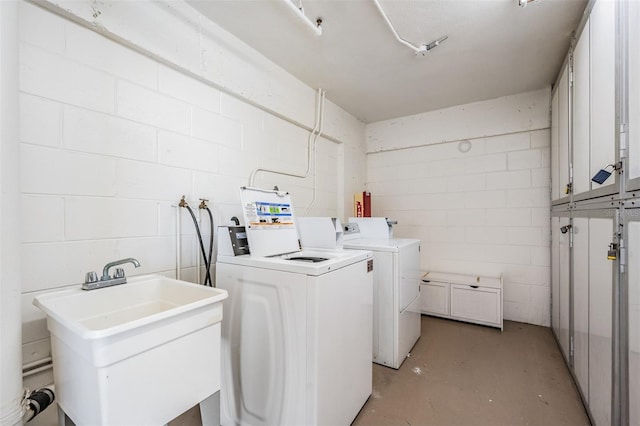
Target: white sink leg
63,419
210,410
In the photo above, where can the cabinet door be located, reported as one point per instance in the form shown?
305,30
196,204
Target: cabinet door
555,275
580,142
581,303
563,132
475,304
634,319
561,284
555,185
600,320
634,94
434,298
602,101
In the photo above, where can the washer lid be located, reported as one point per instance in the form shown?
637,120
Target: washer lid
269,221
380,244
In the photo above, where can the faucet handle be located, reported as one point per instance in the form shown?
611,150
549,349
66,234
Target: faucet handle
118,273
91,277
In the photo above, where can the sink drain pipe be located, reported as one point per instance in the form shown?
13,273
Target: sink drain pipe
36,402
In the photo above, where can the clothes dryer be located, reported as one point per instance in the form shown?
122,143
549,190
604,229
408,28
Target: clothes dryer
396,297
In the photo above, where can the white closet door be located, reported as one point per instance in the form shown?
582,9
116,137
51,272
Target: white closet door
563,131
633,171
602,102
634,322
555,185
581,303
600,320
563,336
581,137
555,275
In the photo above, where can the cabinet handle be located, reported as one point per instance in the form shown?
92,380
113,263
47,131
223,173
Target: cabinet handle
474,286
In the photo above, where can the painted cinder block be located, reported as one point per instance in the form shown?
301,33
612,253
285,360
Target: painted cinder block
188,153
94,218
57,78
541,138
486,235
39,120
466,217
149,181
520,293
241,112
528,236
46,170
146,106
528,197
98,133
39,227
509,180
509,217
65,263
40,28
212,127
96,51
187,89
529,159
508,143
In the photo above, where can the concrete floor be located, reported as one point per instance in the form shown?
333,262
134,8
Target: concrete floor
464,374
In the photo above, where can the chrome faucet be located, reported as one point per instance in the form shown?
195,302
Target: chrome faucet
91,281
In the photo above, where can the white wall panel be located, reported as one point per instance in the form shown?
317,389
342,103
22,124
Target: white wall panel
564,283
112,138
634,322
581,303
581,102
555,276
602,104
600,320
494,117
496,215
563,132
634,89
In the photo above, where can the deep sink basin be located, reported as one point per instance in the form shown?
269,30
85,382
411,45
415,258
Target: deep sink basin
136,353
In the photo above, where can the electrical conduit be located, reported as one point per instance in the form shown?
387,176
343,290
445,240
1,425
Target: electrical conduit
11,393
313,136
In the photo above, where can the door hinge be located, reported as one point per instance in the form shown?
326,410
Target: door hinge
571,347
571,76
623,255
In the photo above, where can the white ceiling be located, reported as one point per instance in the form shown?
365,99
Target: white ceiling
495,48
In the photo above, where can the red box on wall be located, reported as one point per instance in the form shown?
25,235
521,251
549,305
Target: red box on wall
362,204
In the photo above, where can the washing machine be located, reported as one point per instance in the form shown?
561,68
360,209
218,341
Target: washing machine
396,297
297,332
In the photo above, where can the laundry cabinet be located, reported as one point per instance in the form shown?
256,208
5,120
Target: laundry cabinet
470,298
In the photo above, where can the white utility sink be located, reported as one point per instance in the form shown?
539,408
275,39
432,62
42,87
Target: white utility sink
137,353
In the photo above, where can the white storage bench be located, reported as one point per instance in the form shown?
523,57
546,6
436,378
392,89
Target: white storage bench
469,298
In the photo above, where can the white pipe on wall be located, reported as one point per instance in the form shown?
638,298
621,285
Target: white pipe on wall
178,243
317,29
11,394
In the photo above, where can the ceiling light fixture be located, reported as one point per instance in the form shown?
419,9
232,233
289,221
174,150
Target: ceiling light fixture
418,50
523,3
316,26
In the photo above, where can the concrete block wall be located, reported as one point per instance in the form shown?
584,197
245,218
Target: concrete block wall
112,136
485,211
